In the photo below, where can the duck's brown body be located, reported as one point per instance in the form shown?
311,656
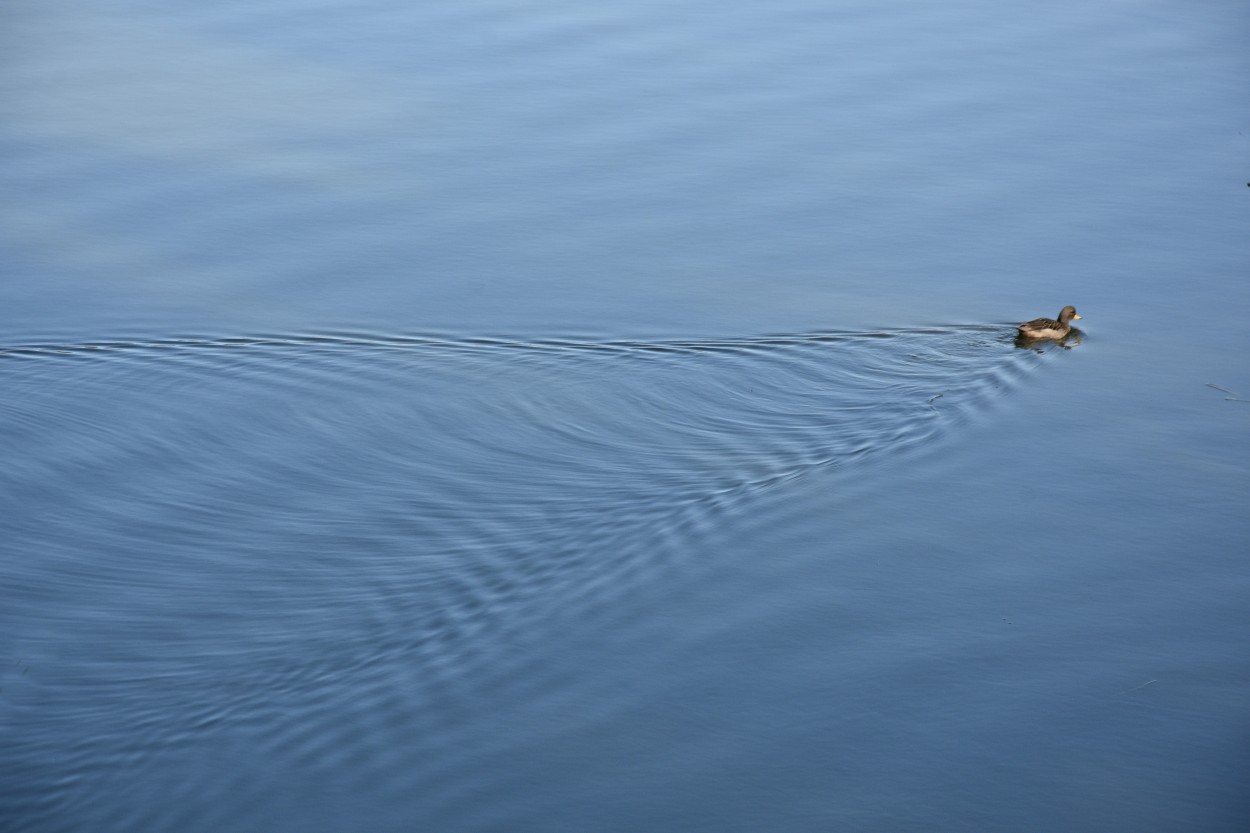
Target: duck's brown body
1050,327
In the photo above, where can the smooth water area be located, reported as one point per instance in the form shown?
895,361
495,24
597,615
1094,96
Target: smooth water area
496,416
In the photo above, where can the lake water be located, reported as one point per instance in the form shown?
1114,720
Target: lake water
508,416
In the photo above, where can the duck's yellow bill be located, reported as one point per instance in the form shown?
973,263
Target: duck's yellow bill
1076,317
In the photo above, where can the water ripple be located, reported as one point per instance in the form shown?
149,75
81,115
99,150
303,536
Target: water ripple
296,541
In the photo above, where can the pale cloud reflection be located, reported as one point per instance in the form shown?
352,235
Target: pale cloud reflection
145,87
134,139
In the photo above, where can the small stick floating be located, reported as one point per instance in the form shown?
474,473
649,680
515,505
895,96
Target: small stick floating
1138,687
1232,397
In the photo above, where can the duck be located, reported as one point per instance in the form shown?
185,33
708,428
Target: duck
1050,327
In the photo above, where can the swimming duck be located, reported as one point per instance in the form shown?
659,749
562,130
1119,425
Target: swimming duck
1049,327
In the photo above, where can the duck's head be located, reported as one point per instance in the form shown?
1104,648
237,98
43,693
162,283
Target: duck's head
1068,313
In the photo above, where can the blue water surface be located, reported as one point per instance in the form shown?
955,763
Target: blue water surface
495,415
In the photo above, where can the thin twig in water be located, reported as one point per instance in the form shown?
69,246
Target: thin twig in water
1232,397
932,399
1137,687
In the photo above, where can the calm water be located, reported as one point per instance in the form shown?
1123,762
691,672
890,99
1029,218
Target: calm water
504,416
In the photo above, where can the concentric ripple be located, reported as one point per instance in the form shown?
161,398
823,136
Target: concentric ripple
286,549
